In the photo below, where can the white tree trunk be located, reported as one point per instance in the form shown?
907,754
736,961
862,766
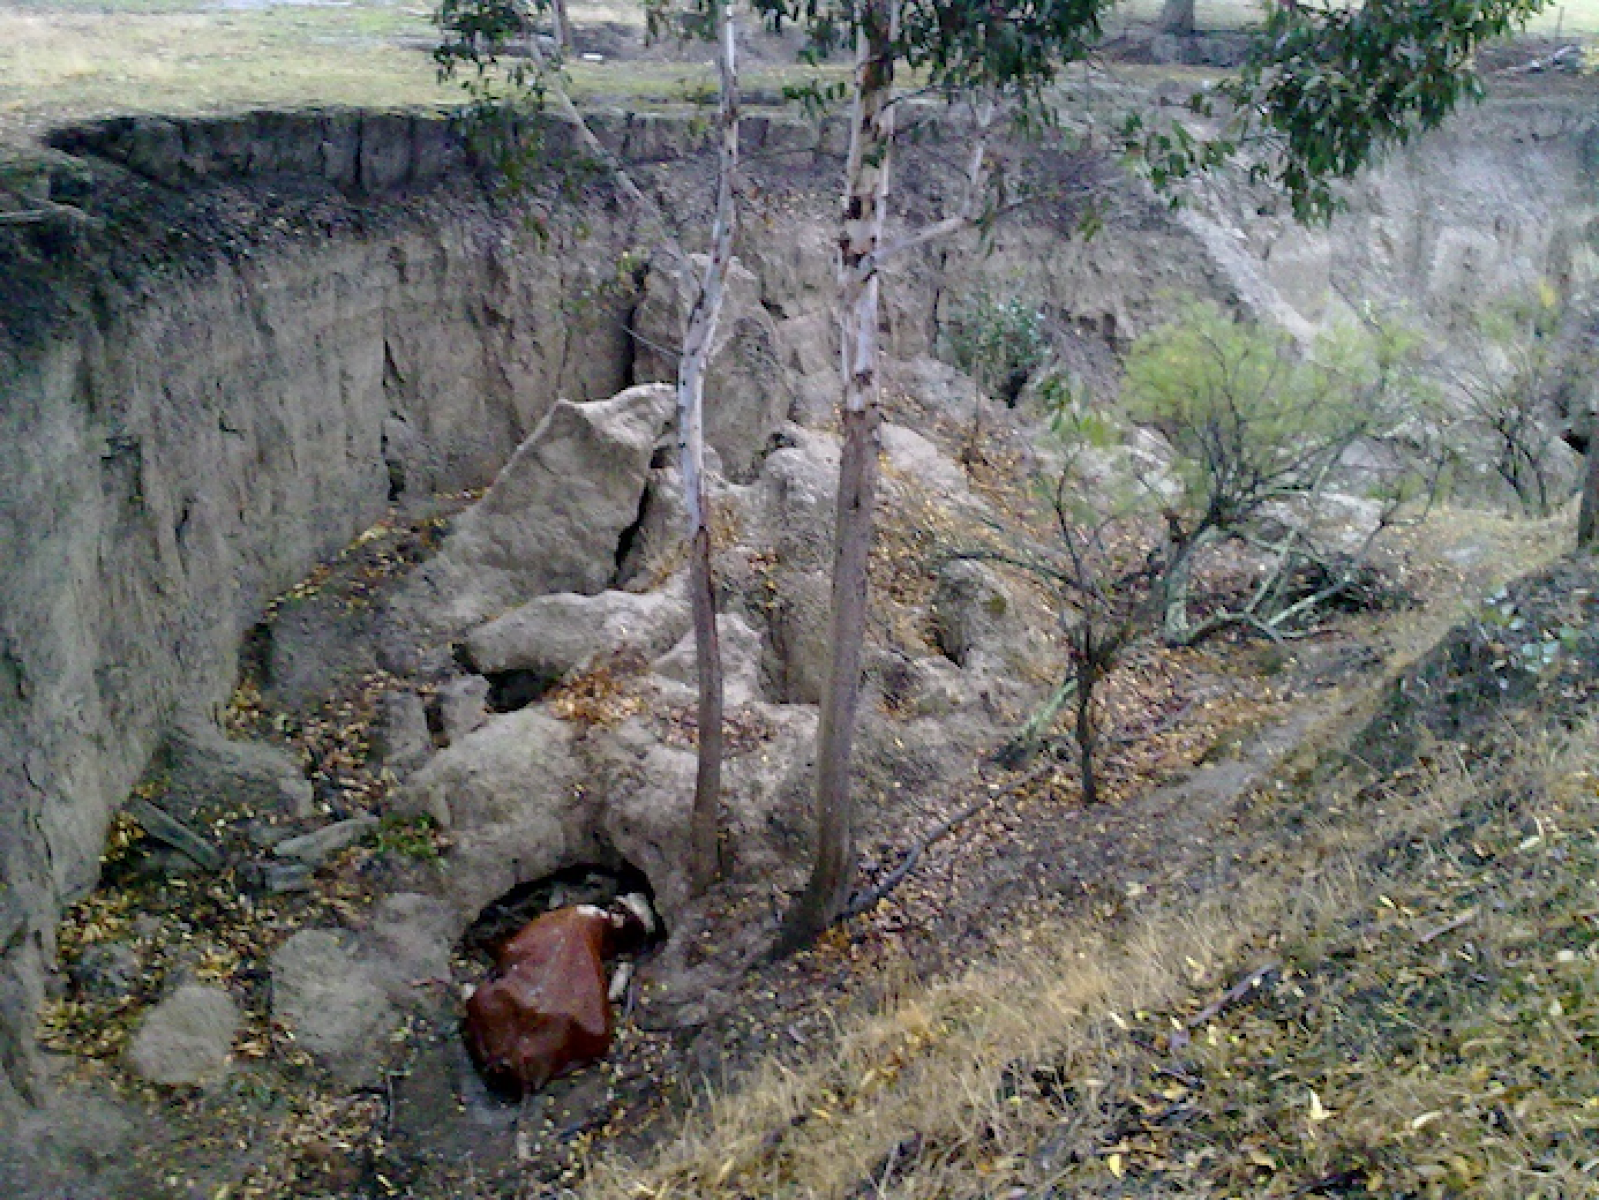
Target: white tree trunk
563,26
1177,18
698,335
701,332
861,235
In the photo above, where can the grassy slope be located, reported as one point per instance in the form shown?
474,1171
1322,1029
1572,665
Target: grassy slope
1426,1028
1424,948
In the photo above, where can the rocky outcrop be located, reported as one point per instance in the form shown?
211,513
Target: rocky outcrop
973,614
205,768
554,519
332,1004
266,329
749,389
553,636
741,646
508,792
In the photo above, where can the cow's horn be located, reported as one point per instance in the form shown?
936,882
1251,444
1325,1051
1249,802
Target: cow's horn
638,904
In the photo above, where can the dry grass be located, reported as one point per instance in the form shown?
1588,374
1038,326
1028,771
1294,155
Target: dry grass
1381,1056
1426,1024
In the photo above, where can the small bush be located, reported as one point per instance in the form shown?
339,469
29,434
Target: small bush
1000,343
416,837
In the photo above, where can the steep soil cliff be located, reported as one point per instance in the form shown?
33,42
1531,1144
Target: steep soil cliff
230,346
217,373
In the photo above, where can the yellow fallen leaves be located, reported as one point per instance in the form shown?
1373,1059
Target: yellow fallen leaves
1317,1112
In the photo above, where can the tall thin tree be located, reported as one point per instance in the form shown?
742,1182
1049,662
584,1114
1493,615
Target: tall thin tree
974,55
1327,88
861,233
478,33
704,315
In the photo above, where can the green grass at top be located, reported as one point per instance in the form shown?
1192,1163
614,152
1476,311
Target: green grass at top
66,60
79,59
683,83
70,62
1576,17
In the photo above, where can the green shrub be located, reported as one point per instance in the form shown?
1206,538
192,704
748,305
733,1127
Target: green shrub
1253,419
1000,343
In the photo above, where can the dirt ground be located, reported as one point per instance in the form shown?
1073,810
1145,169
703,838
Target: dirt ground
1193,736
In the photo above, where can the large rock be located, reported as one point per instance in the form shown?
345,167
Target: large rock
208,769
553,636
655,548
525,797
463,705
796,498
80,1141
402,740
799,623
918,461
554,519
974,616
747,389
791,516
187,1038
643,791
409,945
333,1004
740,645
514,797
766,822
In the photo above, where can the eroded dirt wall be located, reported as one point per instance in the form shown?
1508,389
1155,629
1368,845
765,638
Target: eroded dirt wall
1499,202
240,340
213,384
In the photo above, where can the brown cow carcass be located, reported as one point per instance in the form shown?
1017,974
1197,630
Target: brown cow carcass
546,1010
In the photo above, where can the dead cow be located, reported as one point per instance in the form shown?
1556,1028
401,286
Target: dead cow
546,1010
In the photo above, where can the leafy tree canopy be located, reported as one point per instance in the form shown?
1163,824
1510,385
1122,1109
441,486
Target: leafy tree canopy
1326,86
956,45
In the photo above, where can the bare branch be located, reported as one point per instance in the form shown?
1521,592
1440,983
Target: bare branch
864,901
976,187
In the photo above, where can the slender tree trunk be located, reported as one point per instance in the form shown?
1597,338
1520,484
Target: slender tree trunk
1174,593
692,365
1176,18
1176,585
1588,514
563,27
861,236
1087,679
